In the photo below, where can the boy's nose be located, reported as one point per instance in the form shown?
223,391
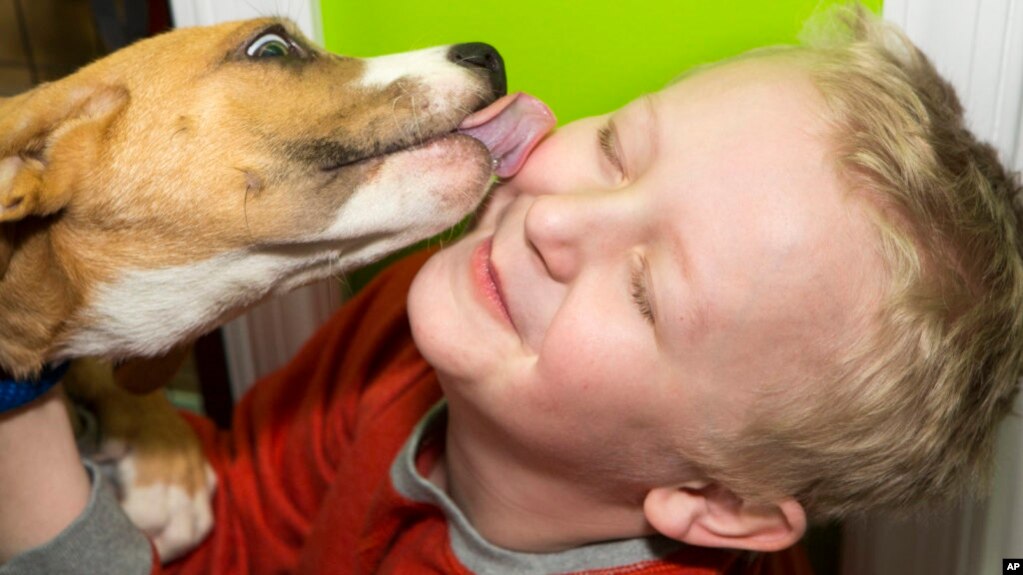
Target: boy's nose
567,230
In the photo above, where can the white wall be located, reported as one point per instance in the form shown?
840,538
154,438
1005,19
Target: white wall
978,46
270,334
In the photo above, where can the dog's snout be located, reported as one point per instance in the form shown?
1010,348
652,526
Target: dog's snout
483,58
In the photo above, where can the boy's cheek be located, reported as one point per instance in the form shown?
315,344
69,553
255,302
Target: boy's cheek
564,162
496,206
593,360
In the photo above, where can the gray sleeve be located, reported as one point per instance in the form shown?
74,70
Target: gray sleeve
101,540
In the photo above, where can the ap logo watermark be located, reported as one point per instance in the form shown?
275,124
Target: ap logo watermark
1014,566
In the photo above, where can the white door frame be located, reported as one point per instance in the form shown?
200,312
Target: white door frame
305,13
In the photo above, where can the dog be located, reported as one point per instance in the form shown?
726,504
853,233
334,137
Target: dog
160,191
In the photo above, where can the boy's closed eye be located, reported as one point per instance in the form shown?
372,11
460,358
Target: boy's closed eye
640,289
607,139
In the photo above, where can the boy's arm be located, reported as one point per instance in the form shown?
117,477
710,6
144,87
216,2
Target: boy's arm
44,484
51,518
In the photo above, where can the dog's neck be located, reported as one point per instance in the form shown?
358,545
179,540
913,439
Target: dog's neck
36,298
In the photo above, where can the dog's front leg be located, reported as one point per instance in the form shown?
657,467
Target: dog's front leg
165,483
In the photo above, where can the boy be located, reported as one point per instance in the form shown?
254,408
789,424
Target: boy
780,289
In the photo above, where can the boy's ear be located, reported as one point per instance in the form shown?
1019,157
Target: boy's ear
709,515
51,121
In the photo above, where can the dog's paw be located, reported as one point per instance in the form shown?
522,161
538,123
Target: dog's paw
151,455
171,506
164,483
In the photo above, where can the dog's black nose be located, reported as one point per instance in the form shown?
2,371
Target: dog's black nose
485,59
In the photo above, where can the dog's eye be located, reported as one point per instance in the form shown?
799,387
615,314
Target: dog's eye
269,45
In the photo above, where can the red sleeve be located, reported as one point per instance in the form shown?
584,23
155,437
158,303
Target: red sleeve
278,461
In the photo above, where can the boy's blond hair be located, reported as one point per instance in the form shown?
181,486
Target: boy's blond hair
911,414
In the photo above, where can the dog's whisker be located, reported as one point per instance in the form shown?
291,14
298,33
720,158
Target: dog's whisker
245,205
394,111
415,122
245,213
255,9
339,274
412,133
415,137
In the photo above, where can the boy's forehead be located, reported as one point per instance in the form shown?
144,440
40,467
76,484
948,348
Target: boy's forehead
724,112
745,89
754,81
735,107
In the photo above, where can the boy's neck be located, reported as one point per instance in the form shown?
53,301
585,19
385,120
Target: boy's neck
518,509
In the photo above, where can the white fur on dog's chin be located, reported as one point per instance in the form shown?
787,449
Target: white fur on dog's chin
451,173
414,195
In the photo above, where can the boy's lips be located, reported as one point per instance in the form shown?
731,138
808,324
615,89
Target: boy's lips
510,128
487,283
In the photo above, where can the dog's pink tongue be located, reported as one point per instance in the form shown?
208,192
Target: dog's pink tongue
510,128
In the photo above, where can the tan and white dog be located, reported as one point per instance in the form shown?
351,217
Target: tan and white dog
161,190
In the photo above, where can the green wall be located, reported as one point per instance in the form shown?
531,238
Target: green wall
582,57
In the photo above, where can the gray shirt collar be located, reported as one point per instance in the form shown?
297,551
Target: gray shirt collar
481,556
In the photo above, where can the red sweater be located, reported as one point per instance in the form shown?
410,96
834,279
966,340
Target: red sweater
305,479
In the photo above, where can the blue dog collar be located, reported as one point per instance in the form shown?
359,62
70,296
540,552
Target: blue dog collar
15,393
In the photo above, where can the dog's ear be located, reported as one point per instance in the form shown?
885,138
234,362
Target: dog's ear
48,122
